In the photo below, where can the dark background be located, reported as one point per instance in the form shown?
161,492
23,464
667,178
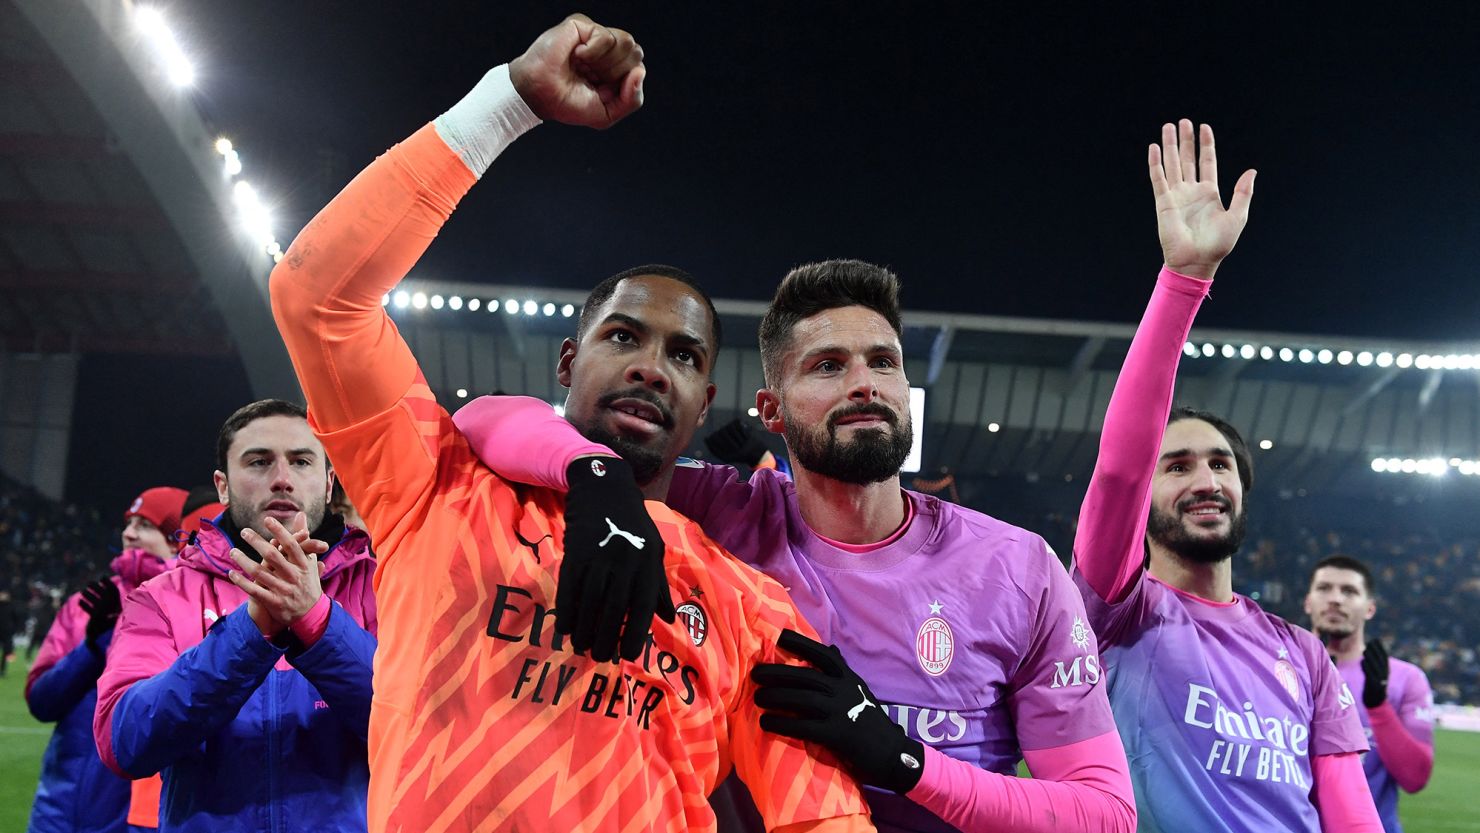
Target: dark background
993,155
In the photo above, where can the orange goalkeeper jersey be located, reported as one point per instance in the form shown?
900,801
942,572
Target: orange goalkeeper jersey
483,718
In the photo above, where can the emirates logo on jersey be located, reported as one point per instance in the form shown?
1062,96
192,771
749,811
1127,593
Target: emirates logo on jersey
935,644
694,621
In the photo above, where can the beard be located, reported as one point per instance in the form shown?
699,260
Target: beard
646,462
1329,635
1169,531
255,518
872,456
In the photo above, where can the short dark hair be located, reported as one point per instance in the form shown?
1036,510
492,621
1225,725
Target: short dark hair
604,291
248,414
1346,562
815,287
1236,442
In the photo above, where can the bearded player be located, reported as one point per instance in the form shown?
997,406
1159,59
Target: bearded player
484,717
1233,719
1397,703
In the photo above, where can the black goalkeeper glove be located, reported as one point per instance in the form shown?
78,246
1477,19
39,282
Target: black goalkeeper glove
1375,669
102,604
830,705
736,442
613,567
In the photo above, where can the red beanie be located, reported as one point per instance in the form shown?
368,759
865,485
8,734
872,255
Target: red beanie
190,524
160,506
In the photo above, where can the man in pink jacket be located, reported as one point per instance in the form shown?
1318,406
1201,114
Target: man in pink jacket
245,681
77,793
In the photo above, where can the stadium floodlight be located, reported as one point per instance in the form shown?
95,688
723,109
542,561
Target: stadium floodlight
752,412
437,301
1384,359
462,393
1344,358
1287,355
223,146
1408,466
511,306
1364,359
1468,468
1306,356
177,68
1247,351
1437,467
1394,464
1403,360
1208,350
1325,356
530,307
1266,352
1266,444
548,309
402,299
1229,351
232,164
1379,464
1455,461
1466,362
1451,362
419,300
474,304
567,311
385,300
1420,361
993,427
1189,349
455,302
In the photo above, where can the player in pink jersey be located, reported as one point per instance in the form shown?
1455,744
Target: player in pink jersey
1397,704
1234,720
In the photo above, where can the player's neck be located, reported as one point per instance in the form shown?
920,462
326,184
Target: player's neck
848,512
658,488
1346,648
1213,582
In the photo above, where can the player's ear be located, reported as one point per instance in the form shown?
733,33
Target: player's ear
708,400
768,408
562,366
219,479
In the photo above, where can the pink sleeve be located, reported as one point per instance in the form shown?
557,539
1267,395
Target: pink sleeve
143,645
1409,759
1112,520
1081,786
67,631
1343,800
523,439
310,626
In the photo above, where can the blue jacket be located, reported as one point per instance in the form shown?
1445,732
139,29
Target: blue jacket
77,793
249,735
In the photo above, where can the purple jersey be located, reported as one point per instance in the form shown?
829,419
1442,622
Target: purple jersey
967,628
1411,698
1221,708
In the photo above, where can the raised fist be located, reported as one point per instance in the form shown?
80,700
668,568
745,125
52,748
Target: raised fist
581,73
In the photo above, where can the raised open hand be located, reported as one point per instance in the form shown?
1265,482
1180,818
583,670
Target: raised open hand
1196,231
581,73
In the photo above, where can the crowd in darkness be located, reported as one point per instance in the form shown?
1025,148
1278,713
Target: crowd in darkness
47,550
1428,581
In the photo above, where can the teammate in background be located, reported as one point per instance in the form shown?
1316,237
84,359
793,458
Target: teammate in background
202,504
736,444
340,505
484,718
78,793
1233,719
245,681
1397,705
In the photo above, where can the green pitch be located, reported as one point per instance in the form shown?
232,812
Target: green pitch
1442,808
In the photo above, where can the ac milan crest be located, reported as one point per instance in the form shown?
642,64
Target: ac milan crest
935,645
138,501
598,468
694,620
1285,673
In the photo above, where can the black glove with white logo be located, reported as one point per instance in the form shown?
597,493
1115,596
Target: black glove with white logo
1375,669
830,705
613,568
102,603
736,443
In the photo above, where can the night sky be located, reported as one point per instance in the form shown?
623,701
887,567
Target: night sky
998,150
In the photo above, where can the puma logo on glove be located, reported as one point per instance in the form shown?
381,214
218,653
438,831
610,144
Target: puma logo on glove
634,540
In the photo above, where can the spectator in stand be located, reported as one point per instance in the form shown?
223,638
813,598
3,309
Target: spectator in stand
77,793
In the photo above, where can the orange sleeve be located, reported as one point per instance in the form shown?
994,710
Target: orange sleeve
326,292
793,783
367,399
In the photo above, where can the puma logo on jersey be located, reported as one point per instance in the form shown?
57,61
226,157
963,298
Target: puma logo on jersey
634,540
857,710
534,546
